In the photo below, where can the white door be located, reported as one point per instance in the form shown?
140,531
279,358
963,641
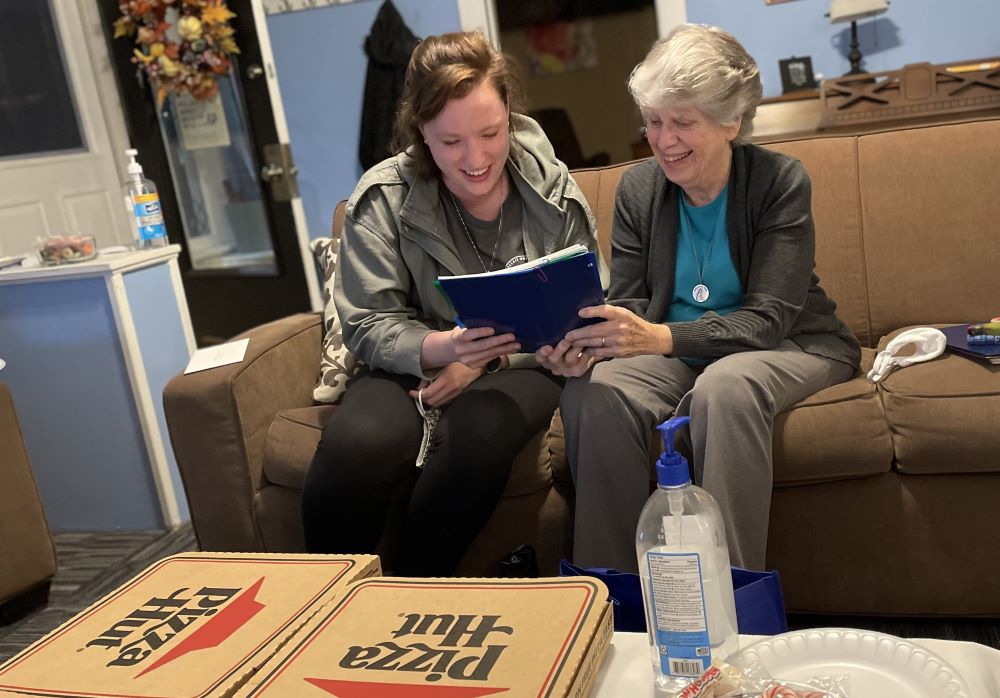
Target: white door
58,166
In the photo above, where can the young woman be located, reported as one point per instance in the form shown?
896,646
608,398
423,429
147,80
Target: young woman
475,187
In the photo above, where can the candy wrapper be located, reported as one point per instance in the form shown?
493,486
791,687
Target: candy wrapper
774,687
62,249
723,680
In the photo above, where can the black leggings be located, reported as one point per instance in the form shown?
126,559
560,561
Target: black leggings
369,448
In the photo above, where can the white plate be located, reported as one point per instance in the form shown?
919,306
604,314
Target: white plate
879,665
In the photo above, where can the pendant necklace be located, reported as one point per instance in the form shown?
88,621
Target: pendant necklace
700,292
469,235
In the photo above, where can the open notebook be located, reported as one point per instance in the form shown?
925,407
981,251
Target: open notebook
537,301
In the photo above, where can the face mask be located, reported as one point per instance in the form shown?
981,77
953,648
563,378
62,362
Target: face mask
910,347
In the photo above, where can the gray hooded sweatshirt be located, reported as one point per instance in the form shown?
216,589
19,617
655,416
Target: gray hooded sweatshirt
396,243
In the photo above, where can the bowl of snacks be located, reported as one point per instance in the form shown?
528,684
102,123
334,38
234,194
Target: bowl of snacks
66,249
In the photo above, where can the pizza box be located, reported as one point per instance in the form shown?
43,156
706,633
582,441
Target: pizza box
192,625
447,638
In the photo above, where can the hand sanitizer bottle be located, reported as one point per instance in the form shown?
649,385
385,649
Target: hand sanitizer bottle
143,204
687,585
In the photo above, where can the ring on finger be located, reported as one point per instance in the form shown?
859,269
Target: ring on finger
604,341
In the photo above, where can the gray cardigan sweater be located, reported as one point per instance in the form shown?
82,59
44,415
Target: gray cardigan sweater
772,243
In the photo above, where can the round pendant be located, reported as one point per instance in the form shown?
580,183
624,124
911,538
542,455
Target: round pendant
700,293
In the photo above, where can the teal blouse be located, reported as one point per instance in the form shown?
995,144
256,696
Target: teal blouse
703,244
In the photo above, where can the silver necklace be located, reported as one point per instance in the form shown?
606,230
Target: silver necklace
493,257
700,292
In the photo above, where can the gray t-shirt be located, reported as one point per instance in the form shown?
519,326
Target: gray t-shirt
478,252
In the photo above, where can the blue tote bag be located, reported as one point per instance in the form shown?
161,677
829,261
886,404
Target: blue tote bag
760,609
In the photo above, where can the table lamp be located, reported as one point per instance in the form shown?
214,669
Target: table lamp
851,11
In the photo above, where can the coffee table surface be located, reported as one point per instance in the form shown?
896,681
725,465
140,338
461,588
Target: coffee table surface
627,670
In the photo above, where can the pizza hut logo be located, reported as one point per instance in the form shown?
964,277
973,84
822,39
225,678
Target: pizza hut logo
217,612
429,647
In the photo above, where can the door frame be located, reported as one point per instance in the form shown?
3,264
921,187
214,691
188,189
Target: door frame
284,136
210,292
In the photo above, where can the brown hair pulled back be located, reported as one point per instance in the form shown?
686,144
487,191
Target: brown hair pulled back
444,67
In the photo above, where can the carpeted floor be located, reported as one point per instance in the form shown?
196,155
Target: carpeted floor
90,566
93,564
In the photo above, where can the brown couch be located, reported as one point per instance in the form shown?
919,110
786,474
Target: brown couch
29,556
884,498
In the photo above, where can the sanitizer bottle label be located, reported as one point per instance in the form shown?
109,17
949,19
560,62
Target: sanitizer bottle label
679,613
148,216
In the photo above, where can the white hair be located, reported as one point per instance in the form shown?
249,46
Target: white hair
701,66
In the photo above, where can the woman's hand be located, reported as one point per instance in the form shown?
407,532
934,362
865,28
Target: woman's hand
477,346
447,385
622,334
564,359
473,347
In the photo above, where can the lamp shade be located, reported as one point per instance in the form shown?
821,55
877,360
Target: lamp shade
852,10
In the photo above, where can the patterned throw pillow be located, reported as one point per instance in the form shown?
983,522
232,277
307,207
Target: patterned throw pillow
337,365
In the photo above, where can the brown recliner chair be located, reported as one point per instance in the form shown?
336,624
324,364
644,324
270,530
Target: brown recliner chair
25,542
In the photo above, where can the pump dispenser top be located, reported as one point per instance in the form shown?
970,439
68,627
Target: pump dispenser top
134,169
672,467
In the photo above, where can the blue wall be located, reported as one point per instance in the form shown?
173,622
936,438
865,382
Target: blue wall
911,31
321,63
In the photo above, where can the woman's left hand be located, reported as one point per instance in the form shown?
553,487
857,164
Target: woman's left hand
564,360
447,385
621,335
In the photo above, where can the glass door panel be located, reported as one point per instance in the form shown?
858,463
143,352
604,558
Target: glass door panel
214,173
37,111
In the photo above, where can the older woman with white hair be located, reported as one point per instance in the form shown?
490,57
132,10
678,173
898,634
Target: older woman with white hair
714,309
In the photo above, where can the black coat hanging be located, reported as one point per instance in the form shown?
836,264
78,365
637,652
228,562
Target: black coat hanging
388,46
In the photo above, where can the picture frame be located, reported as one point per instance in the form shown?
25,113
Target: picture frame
796,74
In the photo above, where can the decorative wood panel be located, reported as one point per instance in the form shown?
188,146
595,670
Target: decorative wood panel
917,91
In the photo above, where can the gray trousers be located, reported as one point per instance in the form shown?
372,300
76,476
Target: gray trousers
609,415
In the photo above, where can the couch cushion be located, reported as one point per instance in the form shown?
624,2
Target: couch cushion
931,219
832,164
291,443
943,414
294,434
599,185
837,434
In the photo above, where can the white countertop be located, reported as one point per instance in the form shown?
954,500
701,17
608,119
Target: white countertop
102,265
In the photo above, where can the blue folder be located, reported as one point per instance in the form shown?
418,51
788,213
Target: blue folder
958,341
537,304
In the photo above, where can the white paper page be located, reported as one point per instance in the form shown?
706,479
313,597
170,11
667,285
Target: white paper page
219,355
565,253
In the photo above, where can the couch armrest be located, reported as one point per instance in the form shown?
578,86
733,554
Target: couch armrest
218,421
28,552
